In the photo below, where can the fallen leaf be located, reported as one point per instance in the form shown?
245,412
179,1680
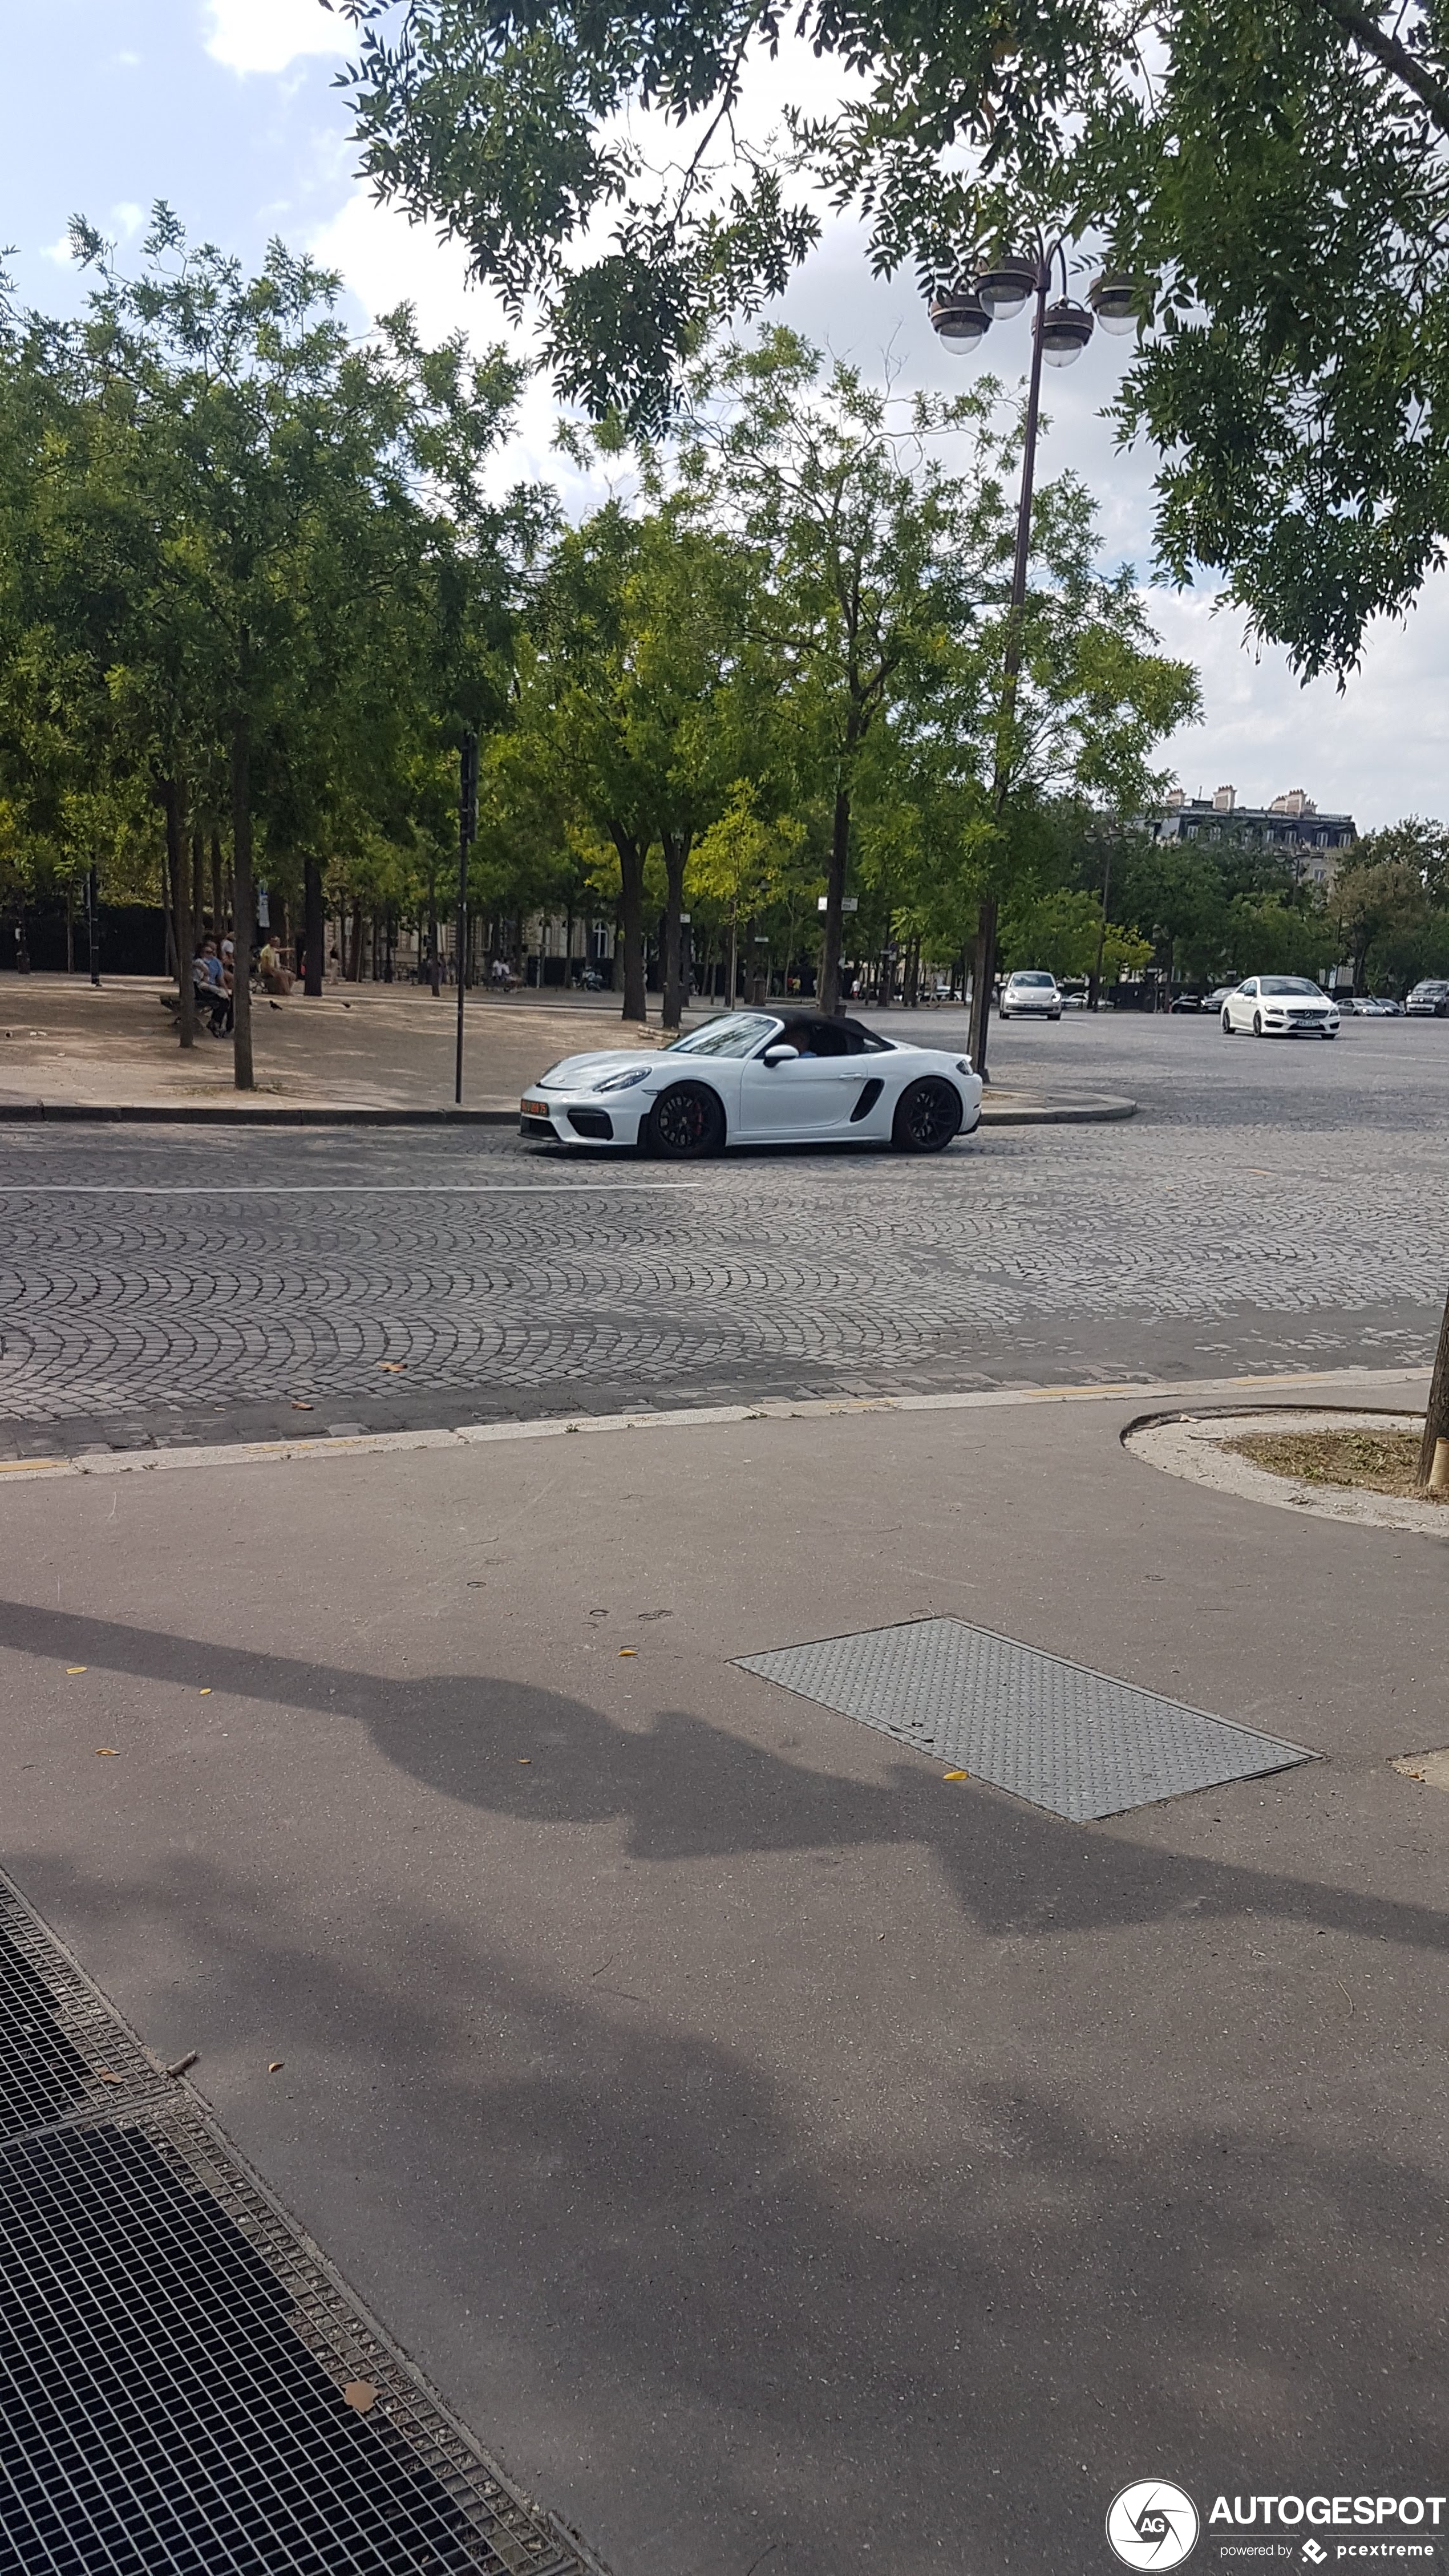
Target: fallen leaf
391,1368
628,1650
955,1775
77,1668
361,2395
525,1759
205,1691
276,2066
108,1748
298,1406
107,2077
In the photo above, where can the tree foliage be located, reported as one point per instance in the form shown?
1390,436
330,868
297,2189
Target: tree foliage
1272,174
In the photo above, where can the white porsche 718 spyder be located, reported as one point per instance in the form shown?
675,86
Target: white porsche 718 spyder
785,1077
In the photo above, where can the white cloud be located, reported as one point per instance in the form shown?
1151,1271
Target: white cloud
60,251
127,218
1378,750
268,35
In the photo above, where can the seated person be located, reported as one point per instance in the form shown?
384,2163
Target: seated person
273,973
212,995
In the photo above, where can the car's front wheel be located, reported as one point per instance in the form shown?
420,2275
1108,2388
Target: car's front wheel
1003,1013
1330,1033
686,1123
1227,1026
927,1116
1257,1024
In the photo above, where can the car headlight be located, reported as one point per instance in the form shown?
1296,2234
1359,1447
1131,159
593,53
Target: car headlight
963,1067
622,1081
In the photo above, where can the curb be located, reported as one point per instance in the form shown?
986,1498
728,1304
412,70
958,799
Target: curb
1091,1109
204,1114
1094,1109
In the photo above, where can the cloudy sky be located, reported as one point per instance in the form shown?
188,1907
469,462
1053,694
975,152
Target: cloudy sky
228,109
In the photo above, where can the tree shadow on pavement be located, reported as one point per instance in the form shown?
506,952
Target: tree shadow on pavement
682,1788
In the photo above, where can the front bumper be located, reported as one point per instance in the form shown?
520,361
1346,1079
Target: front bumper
580,1118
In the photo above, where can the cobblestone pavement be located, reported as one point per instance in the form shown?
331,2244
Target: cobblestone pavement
1272,1206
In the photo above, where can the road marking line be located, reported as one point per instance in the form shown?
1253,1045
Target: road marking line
471,1435
332,1189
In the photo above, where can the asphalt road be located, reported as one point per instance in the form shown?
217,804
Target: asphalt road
1272,1206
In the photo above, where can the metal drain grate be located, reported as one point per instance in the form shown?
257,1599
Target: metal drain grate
1057,1734
63,2053
174,2353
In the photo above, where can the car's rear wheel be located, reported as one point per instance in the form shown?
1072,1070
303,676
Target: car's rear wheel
686,1123
927,1116
1227,1026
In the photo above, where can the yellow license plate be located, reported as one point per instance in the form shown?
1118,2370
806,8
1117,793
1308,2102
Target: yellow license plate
534,1109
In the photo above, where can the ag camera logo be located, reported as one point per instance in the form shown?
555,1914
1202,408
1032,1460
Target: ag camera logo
1152,2524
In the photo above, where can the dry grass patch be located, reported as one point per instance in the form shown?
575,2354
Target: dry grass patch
1377,1462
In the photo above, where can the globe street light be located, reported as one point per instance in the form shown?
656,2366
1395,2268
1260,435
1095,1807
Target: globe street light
962,314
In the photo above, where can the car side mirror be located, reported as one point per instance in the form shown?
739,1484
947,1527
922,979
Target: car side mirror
782,1055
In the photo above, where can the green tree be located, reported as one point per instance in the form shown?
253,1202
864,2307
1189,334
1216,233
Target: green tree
627,696
1270,177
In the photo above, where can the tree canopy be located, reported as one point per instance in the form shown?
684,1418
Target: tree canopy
1272,177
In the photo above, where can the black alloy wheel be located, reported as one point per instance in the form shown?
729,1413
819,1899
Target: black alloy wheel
686,1123
927,1116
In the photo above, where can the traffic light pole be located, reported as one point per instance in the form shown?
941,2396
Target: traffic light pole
467,830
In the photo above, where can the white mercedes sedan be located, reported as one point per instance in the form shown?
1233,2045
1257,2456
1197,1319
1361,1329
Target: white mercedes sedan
771,1077
1279,1006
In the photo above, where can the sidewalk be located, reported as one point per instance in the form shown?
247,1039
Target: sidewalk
369,1053
775,2144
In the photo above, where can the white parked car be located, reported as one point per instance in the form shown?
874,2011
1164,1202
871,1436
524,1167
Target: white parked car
1280,1006
1031,991
773,1077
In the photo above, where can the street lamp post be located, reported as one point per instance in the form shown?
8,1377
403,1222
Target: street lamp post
467,833
962,316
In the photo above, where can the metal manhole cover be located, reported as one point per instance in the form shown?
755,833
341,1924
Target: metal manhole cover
1073,1741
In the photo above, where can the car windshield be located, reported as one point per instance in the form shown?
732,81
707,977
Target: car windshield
1290,984
1031,979
735,1034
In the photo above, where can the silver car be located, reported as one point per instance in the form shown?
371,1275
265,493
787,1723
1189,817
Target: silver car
1031,993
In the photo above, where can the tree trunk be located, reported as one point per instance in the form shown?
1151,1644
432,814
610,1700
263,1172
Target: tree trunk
178,874
243,904
198,890
70,930
315,928
676,852
830,944
734,964
1434,1452
218,918
435,964
631,908
352,959
983,971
